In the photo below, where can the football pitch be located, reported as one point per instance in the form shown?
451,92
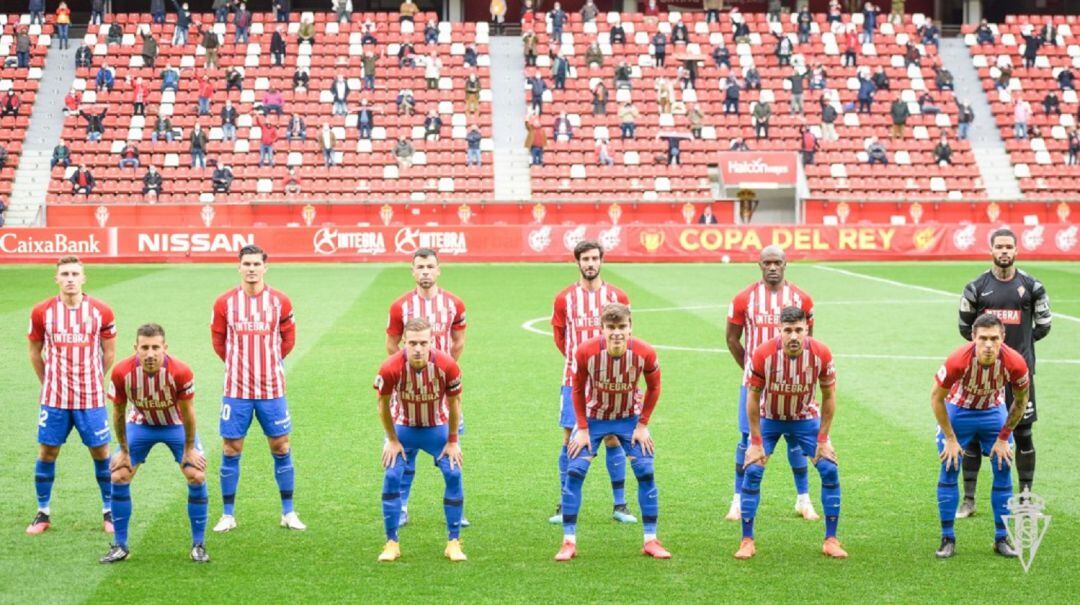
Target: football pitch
890,327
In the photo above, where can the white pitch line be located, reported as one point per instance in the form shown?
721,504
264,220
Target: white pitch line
914,287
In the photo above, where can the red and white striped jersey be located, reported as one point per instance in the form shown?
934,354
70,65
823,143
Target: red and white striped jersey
575,317
975,386
418,397
606,387
154,398
757,308
72,351
444,311
787,384
258,332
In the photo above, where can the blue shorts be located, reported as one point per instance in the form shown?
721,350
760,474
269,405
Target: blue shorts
141,438
800,432
431,439
55,424
273,415
623,430
968,424
567,419
744,422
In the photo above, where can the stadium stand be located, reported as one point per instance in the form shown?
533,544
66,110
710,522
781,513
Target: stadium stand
23,83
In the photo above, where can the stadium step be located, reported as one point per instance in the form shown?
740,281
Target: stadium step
511,159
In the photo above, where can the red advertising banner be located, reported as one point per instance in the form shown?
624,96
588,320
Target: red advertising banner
855,211
758,168
523,243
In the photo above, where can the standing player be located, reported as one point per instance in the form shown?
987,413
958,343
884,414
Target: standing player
253,330
1020,302
420,409
161,391
754,313
607,402
575,318
446,315
784,373
967,401
72,344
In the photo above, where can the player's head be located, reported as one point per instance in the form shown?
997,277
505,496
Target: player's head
772,262
1003,247
425,267
70,275
794,329
252,264
615,324
417,339
987,333
589,255
150,347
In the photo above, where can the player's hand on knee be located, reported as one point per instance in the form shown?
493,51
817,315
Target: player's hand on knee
390,452
452,452
641,436
826,451
1001,452
121,461
951,452
755,454
194,459
579,442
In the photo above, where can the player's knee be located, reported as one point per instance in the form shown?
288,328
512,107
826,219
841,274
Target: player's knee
392,477
279,445
828,470
121,476
643,468
194,476
754,473
612,441
577,468
48,453
949,475
232,447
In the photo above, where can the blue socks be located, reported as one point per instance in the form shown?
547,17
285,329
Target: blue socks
44,475
230,478
616,468
285,476
453,498
406,481
799,468
564,461
999,497
830,495
197,509
750,497
391,499
948,497
740,460
121,511
576,470
104,481
647,494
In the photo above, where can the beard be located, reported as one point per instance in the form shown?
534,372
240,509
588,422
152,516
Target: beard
585,273
1004,264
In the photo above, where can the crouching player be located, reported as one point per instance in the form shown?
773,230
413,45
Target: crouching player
420,408
780,403
607,402
161,391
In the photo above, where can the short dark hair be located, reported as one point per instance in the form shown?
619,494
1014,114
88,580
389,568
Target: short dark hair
586,245
253,249
68,260
1002,232
613,312
149,330
792,314
425,253
987,320
416,324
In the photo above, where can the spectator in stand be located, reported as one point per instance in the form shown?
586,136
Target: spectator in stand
943,152
406,54
472,94
95,124
36,8
761,115
61,155
912,55
537,87
738,144
929,33
594,56
696,117
1021,116
665,94
926,104
965,116
365,119
851,47
1074,147
529,42
197,146
881,79
622,75
599,99
140,92
3,209
751,79
900,114
431,32
1048,33
628,116
472,56
983,34
105,78
731,97
560,68
497,9
943,78
406,103
797,81
282,8
368,28
301,79
589,12
229,115
296,129
740,31
83,56
557,17
327,141
1004,79
659,48
3,156
1051,103
433,126
1065,79
11,104
221,179
162,128
721,56
432,71
339,91
617,33
707,217
784,49
63,23
368,64
866,92
290,183
1032,43
72,102
149,51
210,43
870,20
472,146
603,154
234,79
536,140
157,11
206,93
221,10
803,23
408,10
652,11
403,153
1034,132
277,46
818,78
268,136
306,33
829,115
242,22
273,102
82,181
674,154
170,79
808,144
774,9
152,184
875,152
183,22
562,129
115,34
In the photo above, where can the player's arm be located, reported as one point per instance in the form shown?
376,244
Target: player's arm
192,457
828,410
121,459
395,326
969,309
287,328
219,329
457,343
734,343
652,396
36,361
558,326
580,441
1042,313
755,452
950,453
108,353
452,450
392,448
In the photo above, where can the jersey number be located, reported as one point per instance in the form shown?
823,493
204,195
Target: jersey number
226,411
43,418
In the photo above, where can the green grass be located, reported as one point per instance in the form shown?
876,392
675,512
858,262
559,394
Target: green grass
883,433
